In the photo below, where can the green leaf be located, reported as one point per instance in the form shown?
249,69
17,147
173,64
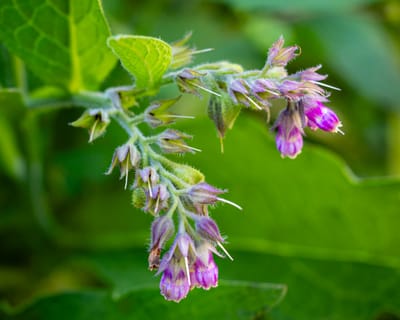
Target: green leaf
317,288
298,7
321,289
232,300
361,52
62,41
145,58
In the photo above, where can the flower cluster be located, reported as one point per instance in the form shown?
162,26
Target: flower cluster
184,238
303,91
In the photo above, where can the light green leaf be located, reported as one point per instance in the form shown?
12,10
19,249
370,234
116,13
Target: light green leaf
298,7
232,300
145,58
62,41
362,53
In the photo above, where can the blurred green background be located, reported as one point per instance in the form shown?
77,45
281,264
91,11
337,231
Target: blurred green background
325,224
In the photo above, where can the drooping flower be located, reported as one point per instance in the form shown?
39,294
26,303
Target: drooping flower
95,120
289,126
204,272
320,116
127,157
175,280
173,141
157,200
202,194
209,231
162,230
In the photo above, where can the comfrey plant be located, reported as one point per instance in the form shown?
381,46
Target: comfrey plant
184,238
73,60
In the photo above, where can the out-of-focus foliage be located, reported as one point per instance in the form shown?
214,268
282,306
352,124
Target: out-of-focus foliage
329,236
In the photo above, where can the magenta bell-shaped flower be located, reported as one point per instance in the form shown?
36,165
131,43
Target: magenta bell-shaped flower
204,272
289,137
175,281
320,116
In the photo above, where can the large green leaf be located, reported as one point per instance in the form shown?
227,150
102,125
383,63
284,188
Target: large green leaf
324,288
362,53
232,300
144,57
296,7
62,41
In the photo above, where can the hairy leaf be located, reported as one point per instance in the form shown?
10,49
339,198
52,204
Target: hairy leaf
62,41
145,58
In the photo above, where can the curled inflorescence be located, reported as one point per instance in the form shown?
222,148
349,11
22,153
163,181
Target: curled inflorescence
176,194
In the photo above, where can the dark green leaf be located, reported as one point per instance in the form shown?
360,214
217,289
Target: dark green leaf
62,42
232,300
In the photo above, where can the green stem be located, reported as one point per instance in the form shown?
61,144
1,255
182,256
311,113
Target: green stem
20,75
37,194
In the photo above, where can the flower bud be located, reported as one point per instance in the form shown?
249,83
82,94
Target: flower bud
127,157
203,193
223,112
187,173
208,229
189,81
280,56
157,200
162,229
95,120
264,90
238,90
310,74
183,54
172,141
157,113
138,198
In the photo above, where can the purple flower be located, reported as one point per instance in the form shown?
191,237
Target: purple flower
204,193
289,137
310,74
157,199
278,56
208,229
289,142
264,90
162,229
172,141
320,116
239,91
127,157
204,272
175,282
291,89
